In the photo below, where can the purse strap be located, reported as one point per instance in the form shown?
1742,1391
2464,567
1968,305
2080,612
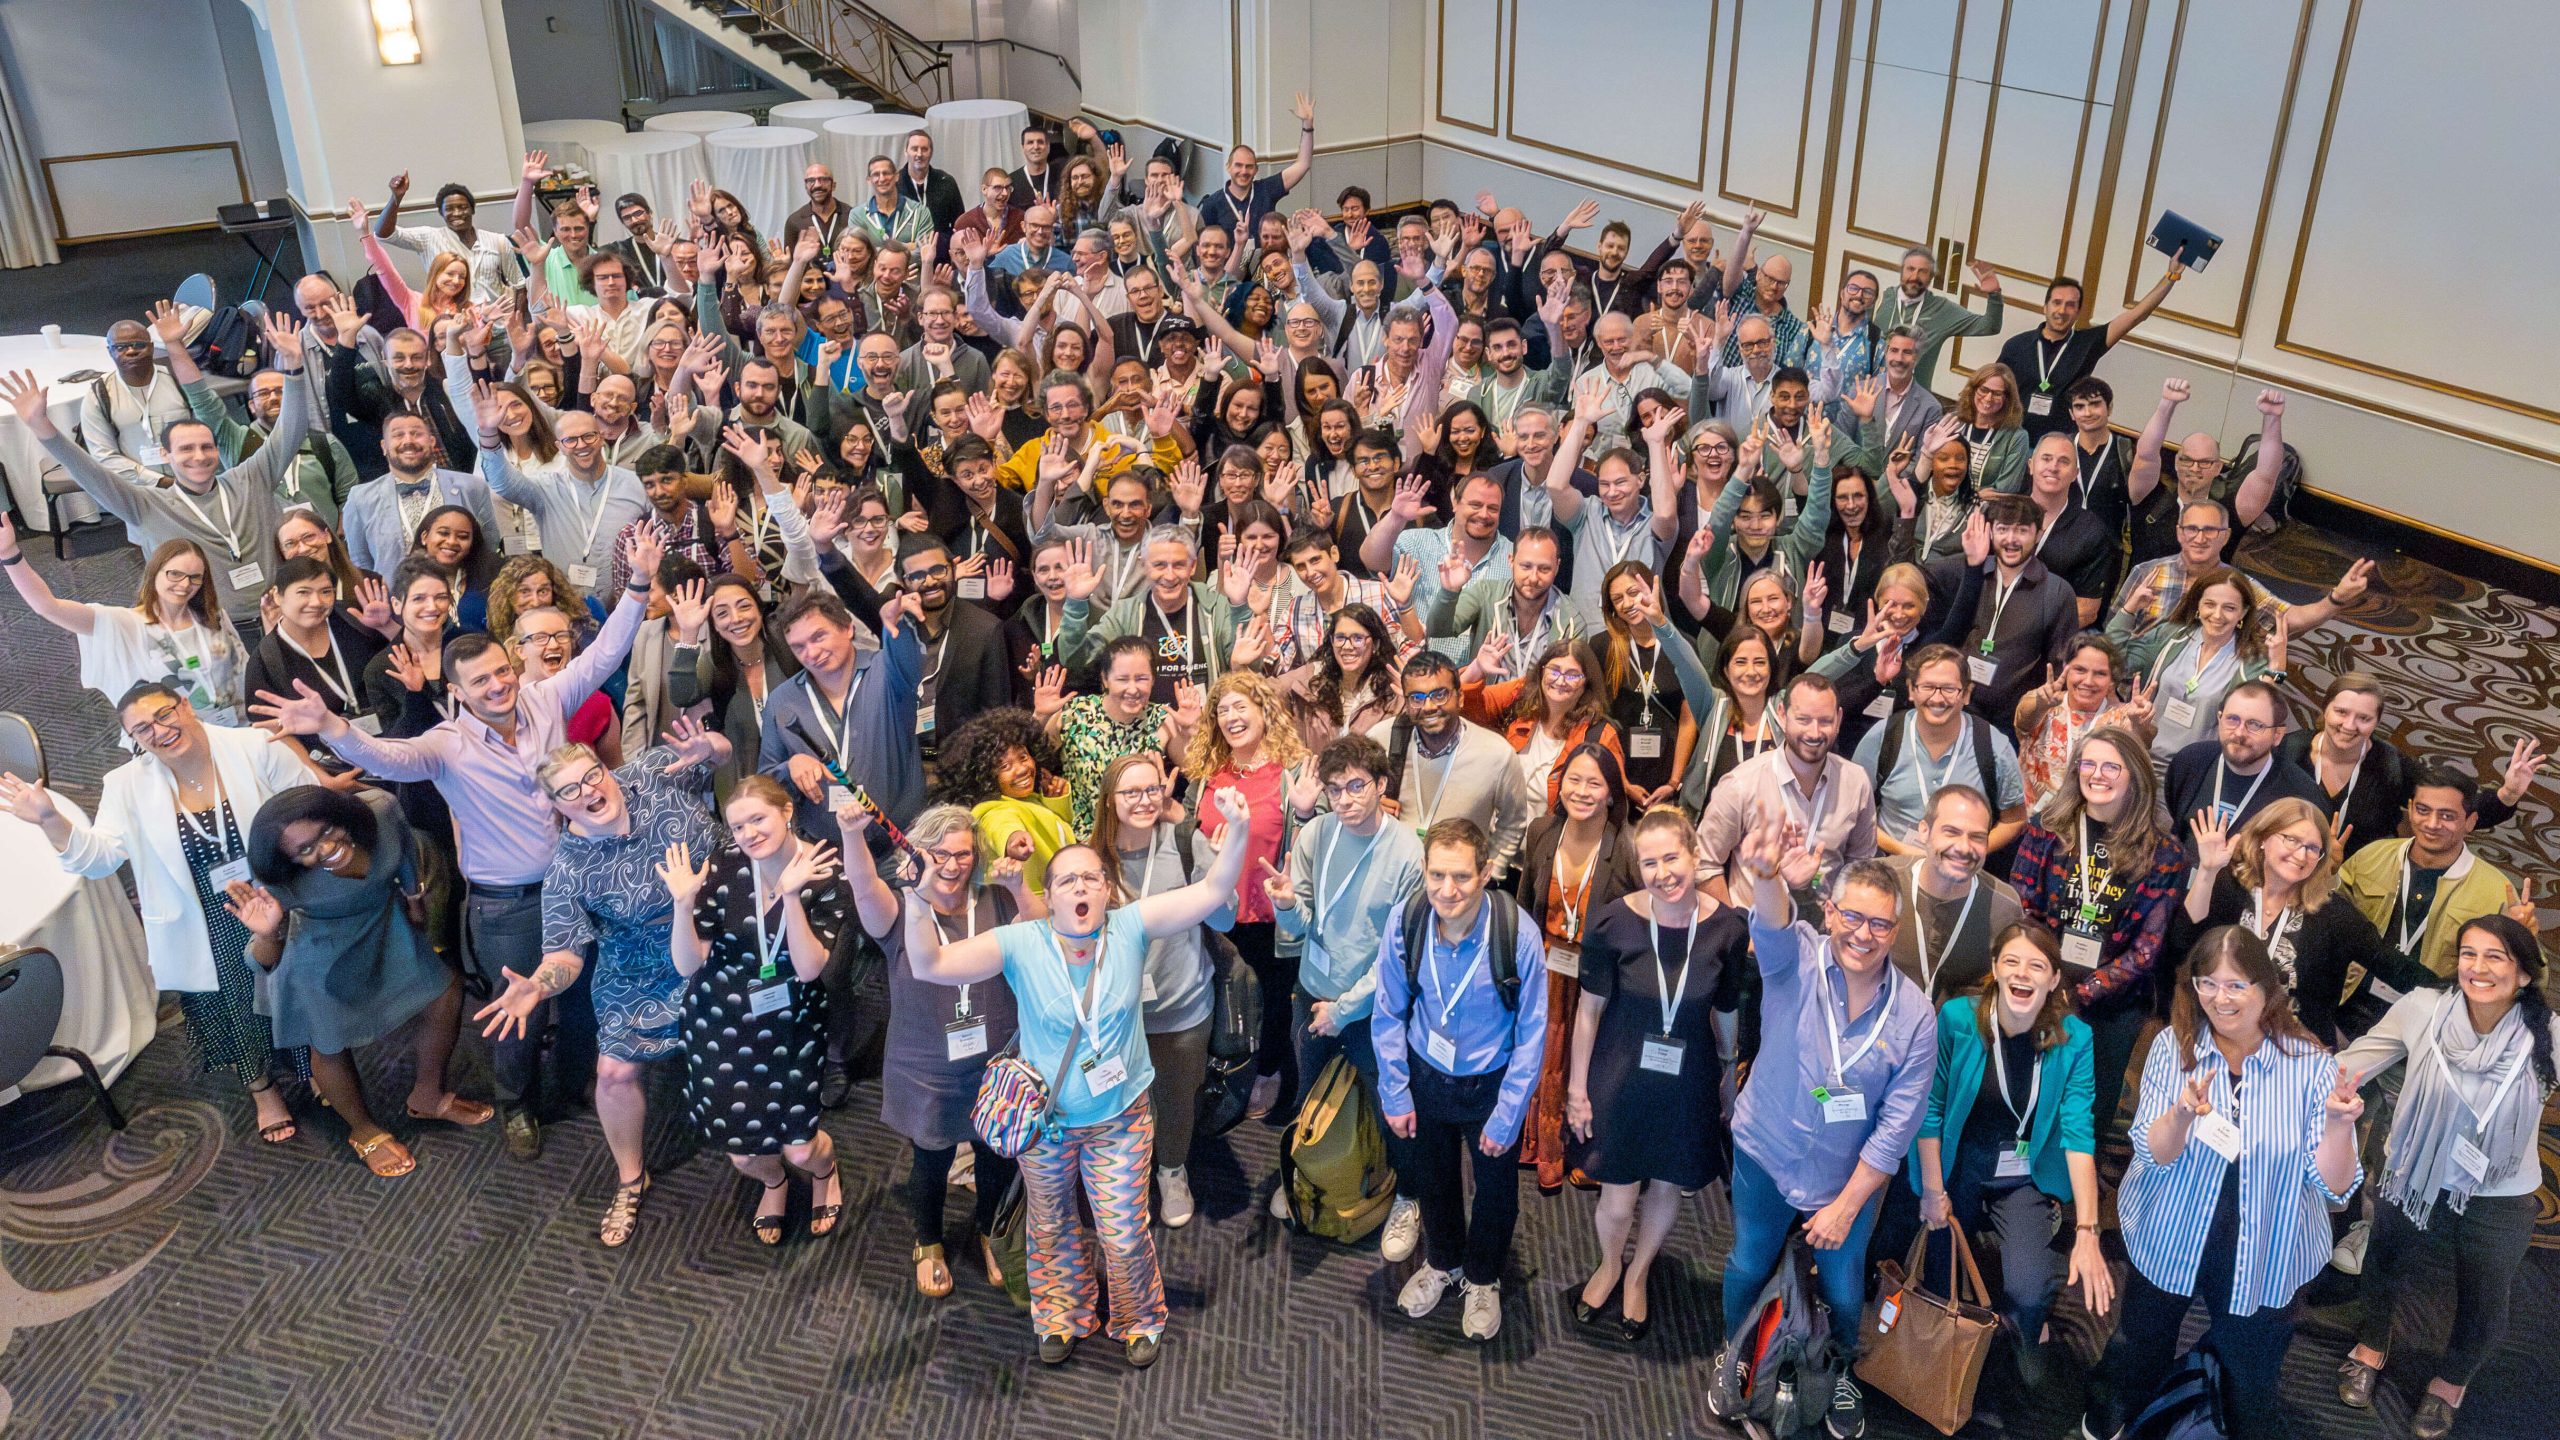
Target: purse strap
1075,1033
1913,1273
1964,1255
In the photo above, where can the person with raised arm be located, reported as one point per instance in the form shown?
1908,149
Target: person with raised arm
169,633
2061,352
1076,977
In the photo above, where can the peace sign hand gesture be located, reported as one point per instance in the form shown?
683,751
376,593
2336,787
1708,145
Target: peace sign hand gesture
1276,884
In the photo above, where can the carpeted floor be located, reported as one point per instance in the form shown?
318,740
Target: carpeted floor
183,1280
109,280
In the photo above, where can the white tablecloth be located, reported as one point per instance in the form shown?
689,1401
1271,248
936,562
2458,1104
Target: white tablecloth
659,164
761,165
567,140
697,122
810,114
850,141
18,448
110,1007
971,135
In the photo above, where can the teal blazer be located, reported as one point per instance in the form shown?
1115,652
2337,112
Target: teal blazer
2063,1123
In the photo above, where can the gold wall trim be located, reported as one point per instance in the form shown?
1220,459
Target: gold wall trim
1235,71
1157,126
2266,190
1440,70
1583,180
53,200
1946,128
1794,207
2079,148
2137,20
1510,116
2302,252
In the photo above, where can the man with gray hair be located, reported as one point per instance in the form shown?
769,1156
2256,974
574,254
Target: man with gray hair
1933,317
1197,633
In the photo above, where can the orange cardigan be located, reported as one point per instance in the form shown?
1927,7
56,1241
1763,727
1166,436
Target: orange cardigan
1487,704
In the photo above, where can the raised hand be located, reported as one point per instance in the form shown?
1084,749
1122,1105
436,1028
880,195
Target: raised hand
1816,590
1493,656
1985,279
407,669
1253,644
1049,692
2175,390
2344,1106
751,447
693,741
1863,396
533,249
1580,216
2271,403
2522,763
1187,702
1057,464
537,164
1276,885
1189,485
683,877
170,324
641,556
2197,1093
2276,637
26,396
255,907
1408,573
813,862
1083,577
31,803
2213,839
2351,586
302,713
722,510
1940,431
1454,572
284,338
986,421
1977,538
999,579
827,523
373,603
1408,506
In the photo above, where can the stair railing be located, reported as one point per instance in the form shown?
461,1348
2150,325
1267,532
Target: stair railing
877,50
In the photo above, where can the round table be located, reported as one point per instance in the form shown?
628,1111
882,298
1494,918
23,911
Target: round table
972,136
698,122
660,165
761,165
567,140
19,451
851,140
813,113
110,1004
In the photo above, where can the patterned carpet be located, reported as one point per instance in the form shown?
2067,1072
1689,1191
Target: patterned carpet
183,1280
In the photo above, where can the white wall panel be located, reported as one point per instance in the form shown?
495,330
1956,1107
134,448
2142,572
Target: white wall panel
1765,108
1899,122
1650,120
1467,81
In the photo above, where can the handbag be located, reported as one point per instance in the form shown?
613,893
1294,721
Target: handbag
1016,1108
1010,1235
1924,1350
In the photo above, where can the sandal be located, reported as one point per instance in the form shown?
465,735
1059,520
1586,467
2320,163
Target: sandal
933,1278
768,1228
987,1253
623,1215
277,1132
384,1156
822,1218
455,1110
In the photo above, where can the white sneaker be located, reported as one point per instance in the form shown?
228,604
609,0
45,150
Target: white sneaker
1421,1294
1482,1319
2349,1256
1173,1197
1403,1232
1280,1201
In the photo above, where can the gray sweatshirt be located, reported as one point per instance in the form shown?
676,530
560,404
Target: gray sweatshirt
1349,892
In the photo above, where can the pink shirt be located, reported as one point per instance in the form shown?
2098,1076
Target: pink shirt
1265,790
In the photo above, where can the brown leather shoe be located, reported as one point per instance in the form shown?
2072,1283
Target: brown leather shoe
2433,1419
2356,1380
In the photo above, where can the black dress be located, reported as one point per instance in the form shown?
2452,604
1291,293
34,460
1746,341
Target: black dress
1647,1125
751,1081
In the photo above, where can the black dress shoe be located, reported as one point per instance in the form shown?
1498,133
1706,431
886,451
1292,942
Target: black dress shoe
834,1083
1630,1329
2356,1380
1584,1312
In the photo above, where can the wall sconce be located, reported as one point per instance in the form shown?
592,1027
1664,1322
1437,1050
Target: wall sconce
395,31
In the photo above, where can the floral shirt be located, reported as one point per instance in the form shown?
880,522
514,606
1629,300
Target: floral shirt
1089,740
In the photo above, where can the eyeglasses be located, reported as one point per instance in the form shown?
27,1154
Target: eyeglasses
1711,447
1563,676
161,723
544,638
188,578
1428,697
1074,880
2102,769
2198,532
2207,987
952,859
872,522
1353,638
579,788
1140,793
311,849
2245,725
929,573
1347,789
122,346
2299,846
1937,690
1851,920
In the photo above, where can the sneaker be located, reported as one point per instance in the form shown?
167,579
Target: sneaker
1403,1232
1056,1349
2095,1426
2348,1257
1847,1419
1482,1319
1143,1350
1173,1197
1722,1402
1280,1202
1266,1093
1421,1294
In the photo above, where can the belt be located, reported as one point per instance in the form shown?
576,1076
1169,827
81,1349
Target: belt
505,892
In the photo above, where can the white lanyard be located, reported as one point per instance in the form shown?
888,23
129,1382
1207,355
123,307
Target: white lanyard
1831,1025
2514,1066
1075,996
1566,892
2000,604
1752,748
2000,1069
1919,753
218,834
1326,902
2355,772
1853,554
2408,937
344,683
230,537
768,947
1930,967
2087,484
1620,543
595,517
841,732
2273,931
1430,941
1124,567
2045,363
1662,988
1431,813
961,1008
1147,867
191,645
1645,656
2206,665
2245,796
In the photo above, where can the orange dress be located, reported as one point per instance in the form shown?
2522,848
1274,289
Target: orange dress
1544,1142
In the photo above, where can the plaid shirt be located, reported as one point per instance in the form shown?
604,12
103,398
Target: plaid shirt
2156,586
2043,876
1794,337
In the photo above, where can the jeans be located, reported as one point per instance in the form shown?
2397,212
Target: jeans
504,932
1762,1220
1181,1058
1314,1050
1111,1161
1449,1116
929,1181
2488,1239
2251,1347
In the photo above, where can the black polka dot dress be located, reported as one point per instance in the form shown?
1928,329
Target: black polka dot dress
751,1081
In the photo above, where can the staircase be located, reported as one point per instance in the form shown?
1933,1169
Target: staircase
824,47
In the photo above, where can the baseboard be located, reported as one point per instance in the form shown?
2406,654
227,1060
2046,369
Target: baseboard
2446,552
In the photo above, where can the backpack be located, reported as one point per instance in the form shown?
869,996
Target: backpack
1338,1183
2194,1402
1780,1366
1502,939
1235,1014
230,346
2288,484
1889,753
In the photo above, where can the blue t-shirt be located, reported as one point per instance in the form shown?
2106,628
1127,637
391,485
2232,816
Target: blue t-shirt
1045,993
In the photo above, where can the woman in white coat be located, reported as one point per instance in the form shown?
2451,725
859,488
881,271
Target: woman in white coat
179,812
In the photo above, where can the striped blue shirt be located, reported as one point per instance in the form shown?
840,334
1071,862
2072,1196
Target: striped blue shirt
2284,1201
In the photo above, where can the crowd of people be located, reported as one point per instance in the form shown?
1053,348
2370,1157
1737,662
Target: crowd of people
1626,718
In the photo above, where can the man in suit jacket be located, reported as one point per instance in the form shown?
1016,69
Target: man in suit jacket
967,666
1884,411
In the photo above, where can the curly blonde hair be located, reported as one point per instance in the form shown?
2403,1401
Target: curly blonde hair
565,597
1208,753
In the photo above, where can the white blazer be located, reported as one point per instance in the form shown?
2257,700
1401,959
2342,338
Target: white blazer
138,822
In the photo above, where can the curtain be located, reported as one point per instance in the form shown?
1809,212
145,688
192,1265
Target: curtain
26,226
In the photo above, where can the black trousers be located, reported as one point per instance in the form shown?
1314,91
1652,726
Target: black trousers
1275,1051
504,932
2251,1346
1449,1114
2488,1240
929,1180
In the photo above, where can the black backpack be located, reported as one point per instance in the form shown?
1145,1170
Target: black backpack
230,346
2288,484
1779,1368
1890,753
1503,939
1235,1015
